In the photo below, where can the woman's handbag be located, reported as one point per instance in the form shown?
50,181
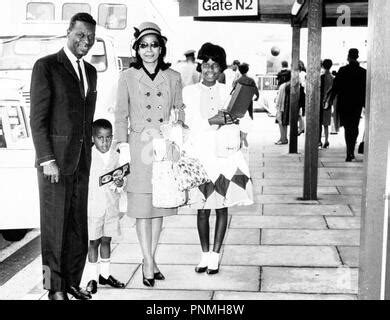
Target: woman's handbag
165,188
227,140
190,173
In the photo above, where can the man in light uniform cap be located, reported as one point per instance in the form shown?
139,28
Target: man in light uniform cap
188,72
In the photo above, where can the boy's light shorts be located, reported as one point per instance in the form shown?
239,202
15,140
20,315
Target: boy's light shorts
105,226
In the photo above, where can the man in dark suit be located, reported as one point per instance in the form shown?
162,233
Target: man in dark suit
63,98
284,75
350,88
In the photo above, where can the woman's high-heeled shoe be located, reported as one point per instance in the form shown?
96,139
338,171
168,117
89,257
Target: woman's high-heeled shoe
204,261
147,282
159,276
213,266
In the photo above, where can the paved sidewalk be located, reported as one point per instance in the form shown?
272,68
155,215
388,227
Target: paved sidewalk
279,248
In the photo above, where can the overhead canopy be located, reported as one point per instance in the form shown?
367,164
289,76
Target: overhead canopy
277,11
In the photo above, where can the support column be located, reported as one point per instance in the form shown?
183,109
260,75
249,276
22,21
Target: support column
374,272
313,83
294,92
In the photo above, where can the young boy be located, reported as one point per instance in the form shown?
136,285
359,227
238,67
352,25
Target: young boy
103,207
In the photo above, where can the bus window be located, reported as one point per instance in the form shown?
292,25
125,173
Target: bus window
113,16
97,56
3,143
70,9
17,124
40,11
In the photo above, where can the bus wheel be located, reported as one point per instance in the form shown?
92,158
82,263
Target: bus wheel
14,235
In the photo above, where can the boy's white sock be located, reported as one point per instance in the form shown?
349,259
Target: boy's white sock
93,273
105,268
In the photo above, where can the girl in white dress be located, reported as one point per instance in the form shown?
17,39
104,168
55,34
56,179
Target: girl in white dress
228,171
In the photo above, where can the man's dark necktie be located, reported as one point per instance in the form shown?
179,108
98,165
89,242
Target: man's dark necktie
81,79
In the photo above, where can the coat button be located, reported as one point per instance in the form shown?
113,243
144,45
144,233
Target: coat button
149,120
161,120
148,107
147,94
159,94
159,107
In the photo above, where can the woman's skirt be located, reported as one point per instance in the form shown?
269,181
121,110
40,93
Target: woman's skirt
139,205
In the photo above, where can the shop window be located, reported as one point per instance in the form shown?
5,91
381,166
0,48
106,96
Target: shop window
113,16
40,11
70,9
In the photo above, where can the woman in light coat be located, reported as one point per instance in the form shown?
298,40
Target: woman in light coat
147,94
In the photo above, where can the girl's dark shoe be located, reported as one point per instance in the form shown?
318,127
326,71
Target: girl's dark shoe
158,276
204,261
326,145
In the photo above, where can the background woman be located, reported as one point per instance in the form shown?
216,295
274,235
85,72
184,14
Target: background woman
147,93
230,179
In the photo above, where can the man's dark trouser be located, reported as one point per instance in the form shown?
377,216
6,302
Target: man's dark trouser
351,129
64,227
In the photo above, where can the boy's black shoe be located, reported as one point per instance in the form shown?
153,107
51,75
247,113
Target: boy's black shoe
92,286
111,281
79,293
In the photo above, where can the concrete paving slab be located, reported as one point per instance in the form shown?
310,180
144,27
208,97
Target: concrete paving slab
281,198
339,199
277,222
255,209
243,236
155,294
297,191
356,209
190,236
310,280
346,175
185,221
343,223
184,254
183,277
306,210
350,256
310,237
299,183
129,235
339,164
127,253
298,175
297,256
351,190
237,295
181,236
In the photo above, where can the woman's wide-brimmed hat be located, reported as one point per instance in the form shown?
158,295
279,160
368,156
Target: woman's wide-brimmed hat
144,29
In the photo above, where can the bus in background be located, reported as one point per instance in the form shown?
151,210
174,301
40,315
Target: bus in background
31,41
118,17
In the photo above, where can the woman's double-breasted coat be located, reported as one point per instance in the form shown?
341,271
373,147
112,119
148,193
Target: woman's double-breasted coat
143,105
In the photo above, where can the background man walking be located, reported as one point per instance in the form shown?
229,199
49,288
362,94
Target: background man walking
350,88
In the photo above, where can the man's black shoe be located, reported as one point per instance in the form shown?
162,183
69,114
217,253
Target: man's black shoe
58,295
111,281
92,286
79,293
